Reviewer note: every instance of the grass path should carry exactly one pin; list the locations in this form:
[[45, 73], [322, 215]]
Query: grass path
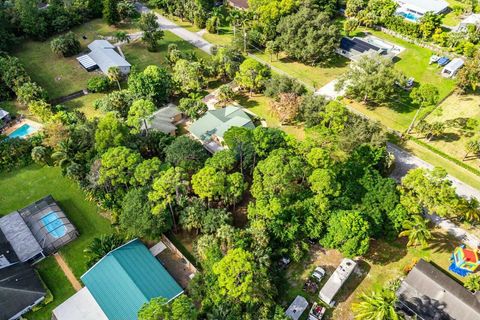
[[68, 272]]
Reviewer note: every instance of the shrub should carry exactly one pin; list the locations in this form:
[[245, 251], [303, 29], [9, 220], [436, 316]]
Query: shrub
[[98, 84], [16, 153], [66, 45]]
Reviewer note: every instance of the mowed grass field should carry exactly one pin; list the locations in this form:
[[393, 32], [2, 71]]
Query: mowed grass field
[[457, 108], [58, 75], [23, 186]]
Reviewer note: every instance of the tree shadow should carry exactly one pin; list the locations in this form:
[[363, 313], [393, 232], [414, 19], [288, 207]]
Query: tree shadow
[[383, 253], [442, 242], [245, 101], [447, 137], [425, 307]]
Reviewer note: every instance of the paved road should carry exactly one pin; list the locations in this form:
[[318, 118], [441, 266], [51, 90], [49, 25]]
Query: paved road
[[183, 33], [405, 161]]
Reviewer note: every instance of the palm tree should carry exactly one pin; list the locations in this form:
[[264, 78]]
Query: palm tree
[[234, 19], [217, 15], [40, 155], [115, 75], [417, 231], [378, 305], [469, 209], [122, 36], [100, 246]]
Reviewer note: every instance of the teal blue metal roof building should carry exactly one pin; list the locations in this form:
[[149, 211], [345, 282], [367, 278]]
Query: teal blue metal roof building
[[126, 278]]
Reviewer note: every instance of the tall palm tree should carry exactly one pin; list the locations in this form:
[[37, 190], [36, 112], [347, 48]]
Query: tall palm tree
[[234, 18], [378, 305], [417, 231], [114, 74], [217, 15]]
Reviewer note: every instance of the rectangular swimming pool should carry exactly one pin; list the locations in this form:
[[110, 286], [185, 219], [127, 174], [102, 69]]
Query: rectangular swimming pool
[[23, 131], [54, 225]]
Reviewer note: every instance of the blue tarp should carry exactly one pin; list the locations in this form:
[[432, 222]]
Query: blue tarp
[[443, 61]]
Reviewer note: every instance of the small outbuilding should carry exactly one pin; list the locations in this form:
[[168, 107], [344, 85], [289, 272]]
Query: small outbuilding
[[296, 309], [452, 68]]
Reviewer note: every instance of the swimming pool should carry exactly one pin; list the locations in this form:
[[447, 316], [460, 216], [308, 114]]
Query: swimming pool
[[23, 131], [409, 16], [54, 225]]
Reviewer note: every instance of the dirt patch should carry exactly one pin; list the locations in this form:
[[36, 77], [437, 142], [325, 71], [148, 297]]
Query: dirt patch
[[176, 266], [68, 272]]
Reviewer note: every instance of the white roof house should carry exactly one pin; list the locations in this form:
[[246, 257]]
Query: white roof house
[[3, 114], [104, 55], [420, 7], [471, 20], [451, 69], [296, 309], [80, 306], [336, 281]]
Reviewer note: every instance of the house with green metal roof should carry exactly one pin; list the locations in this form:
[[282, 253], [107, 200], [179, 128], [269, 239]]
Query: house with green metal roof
[[211, 127], [119, 284]]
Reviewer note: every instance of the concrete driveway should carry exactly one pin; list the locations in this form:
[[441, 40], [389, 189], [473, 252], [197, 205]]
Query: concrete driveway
[[166, 24]]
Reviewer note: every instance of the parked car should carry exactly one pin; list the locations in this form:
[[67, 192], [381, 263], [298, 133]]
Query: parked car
[[316, 312], [318, 273]]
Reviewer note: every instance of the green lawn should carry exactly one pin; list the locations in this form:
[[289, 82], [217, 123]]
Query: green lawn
[[458, 108], [313, 76], [24, 186], [85, 105], [452, 19], [61, 76], [58, 284], [138, 55], [224, 37]]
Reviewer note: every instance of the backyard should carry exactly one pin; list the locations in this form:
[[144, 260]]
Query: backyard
[[23, 186], [384, 262]]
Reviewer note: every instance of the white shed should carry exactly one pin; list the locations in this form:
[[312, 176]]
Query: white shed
[[296, 309], [451, 69], [336, 281]]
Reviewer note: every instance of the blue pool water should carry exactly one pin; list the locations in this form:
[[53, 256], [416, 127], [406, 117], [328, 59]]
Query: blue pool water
[[409, 16], [54, 225], [23, 131]]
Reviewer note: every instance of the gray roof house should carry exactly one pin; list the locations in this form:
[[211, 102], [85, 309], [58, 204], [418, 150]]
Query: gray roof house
[[164, 119], [20, 291], [104, 55], [210, 128], [428, 293], [34, 232]]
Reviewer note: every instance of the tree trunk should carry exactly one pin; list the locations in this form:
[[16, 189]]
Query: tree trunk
[[466, 155], [413, 121], [119, 86], [146, 128], [173, 218]]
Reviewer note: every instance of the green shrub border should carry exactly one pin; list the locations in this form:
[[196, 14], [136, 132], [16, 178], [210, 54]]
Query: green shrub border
[[446, 156]]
